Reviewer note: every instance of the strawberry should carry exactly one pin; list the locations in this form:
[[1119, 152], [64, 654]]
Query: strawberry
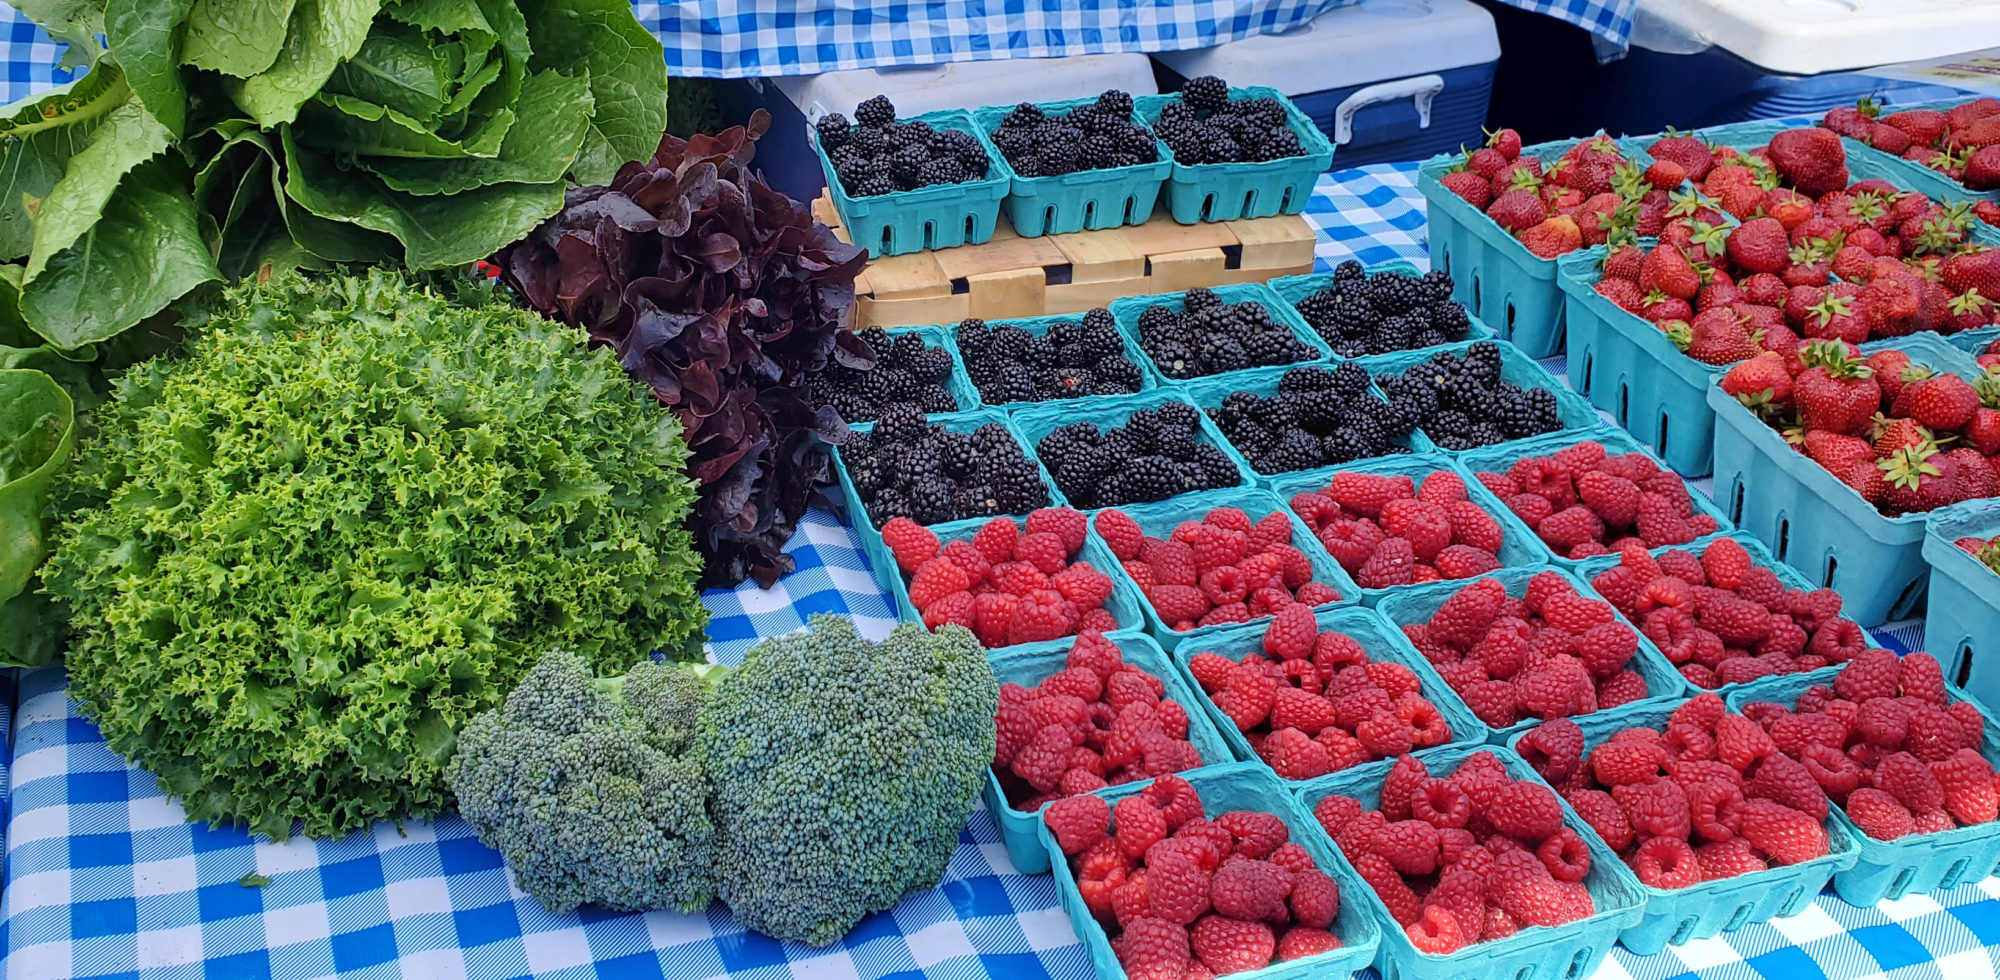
[[1520, 210], [1760, 383], [1892, 369], [1924, 126], [1811, 160], [1470, 186], [1966, 113], [1788, 206], [1852, 121], [1553, 237], [1715, 337], [1944, 403], [1505, 142], [1668, 271], [1919, 480], [1895, 435], [1759, 245], [1666, 174], [1689, 151], [1836, 392], [1973, 270]]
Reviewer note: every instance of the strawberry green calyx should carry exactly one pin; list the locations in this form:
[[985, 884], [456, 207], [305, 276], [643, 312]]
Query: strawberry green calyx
[[1832, 306], [1868, 206], [1678, 332], [1968, 302], [1688, 203], [1940, 234], [1869, 106], [1988, 388], [1832, 355], [1916, 372], [1654, 296], [1990, 556], [1715, 238], [1525, 180], [1906, 468], [1760, 167]]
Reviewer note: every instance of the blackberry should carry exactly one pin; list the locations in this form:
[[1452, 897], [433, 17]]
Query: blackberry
[[876, 112], [1349, 271], [1298, 450], [1437, 287], [875, 187], [1350, 380], [1212, 468], [930, 364], [1483, 359], [1204, 126], [899, 423], [1463, 404], [1114, 103], [940, 170], [934, 398], [1150, 478], [1450, 320], [1346, 445], [1394, 293], [906, 372], [833, 131], [1175, 441], [1205, 93]]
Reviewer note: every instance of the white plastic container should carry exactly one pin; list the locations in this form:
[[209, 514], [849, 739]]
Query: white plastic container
[[1386, 80], [797, 101], [1810, 37]]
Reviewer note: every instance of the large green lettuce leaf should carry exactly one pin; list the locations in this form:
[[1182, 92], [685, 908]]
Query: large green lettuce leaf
[[397, 68], [37, 434], [324, 34], [554, 115], [344, 124], [628, 77], [146, 34], [235, 37], [129, 136], [37, 138], [73, 22]]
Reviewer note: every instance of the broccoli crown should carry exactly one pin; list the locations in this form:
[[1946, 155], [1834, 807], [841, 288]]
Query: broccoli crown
[[841, 772], [593, 791]]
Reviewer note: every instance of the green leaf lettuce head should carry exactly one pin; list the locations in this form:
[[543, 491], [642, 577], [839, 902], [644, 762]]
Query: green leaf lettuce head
[[299, 556], [225, 139]]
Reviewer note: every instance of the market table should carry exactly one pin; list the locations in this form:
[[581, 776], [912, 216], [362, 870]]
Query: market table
[[105, 878]]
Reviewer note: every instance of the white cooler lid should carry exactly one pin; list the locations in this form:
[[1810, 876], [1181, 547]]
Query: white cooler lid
[[1807, 37], [969, 84], [1373, 41]]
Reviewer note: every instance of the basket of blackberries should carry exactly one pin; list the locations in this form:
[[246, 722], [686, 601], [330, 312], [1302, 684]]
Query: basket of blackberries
[[913, 365], [1049, 358], [1133, 449], [1077, 165], [1391, 307], [1238, 152], [1281, 420], [1214, 331], [907, 185]]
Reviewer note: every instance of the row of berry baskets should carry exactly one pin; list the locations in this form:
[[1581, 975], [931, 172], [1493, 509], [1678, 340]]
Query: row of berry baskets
[[1629, 904], [966, 213]]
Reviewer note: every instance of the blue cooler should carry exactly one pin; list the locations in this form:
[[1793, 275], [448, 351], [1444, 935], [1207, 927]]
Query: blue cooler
[[797, 101], [1386, 80]]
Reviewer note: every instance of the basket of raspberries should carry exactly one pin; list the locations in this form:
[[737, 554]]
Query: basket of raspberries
[[1105, 712], [1200, 576], [1206, 875], [1310, 695], [1701, 807], [1164, 448], [1954, 140], [1581, 500], [907, 185], [1076, 165], [1963, 550], [1907, 761], [968, 465], [1009, 583], [1478, 865], [1478, 394], [1050, 358], [1522, 644], [1394, 308], [913, 365], [1406, 521], [1302, 418], [1238, 152], [1725, 613], [1209, 331]]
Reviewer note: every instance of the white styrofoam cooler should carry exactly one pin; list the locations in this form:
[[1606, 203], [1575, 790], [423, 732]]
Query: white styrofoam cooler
[[1386, 80], [797, 101], [1810, 37]]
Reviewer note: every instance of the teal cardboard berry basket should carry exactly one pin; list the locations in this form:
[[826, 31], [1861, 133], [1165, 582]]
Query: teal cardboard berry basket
[[1294, 290], [1382, 642], [1519, 548], [1673, 916], [1159, 520], [1228, 191], [1920, 862], [1128, 309], [1589, 569], [938, 216], [1571, 951], [958, 383], [1815, 523], [1123, 605], [1208, 393], [1628, 368], [1036, 421], [1243, 787], [1416, 604], [1088, 200], [868, 529], [1021, 830], [1516, 368], [1492, 273], [1616, 442], [1039, 326], [1962, 627], [1975, 342]]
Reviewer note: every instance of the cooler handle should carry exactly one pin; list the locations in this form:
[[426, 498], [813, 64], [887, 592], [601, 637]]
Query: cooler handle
[[1422, 88]]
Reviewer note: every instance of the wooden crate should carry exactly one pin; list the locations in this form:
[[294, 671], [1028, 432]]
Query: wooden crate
[[1011, 276]]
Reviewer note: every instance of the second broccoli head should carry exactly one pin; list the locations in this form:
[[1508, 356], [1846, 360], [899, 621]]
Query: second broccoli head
[[824, 779]]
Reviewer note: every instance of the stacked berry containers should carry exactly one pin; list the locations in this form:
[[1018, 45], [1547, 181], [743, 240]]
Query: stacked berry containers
[[1159, 519], [1516, 368], [1035, 422], [1917, 863], [1964, 607], [1814, 522], [1493, 274], [1129, 309], [1571, 951], [1243, 786], [1229, 191], [1028, 667], [1676, 916], [1416, 605], [1616, 442], [1518, 548], [1380, 640], [1295, 289], [938, 216], [1039, 326], [1209, 394], [1087, 200]]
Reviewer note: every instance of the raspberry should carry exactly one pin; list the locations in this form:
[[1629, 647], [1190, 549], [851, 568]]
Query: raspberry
[[1366, 493], [1404, 777], [1079, 682], [1441, 804], [1464, 561], [1078, 822], [995, 540], [1761, 586], [1426, 526], [1814, 609], [1544, 586], [1018, 578], [1835, 773], [1436, 932], [1078, 781], [1967, 781], [1782, 779], [1177, 882], [1138, 825], [1410, 845], [1392, 564], [1249, 890], [1606, 648], [1565, 529], [1614, 499], [1740, 743], [1152, 949], [1301, 941], [1839, 642], [1176, 798], [1932, 822], [1714, 806], [1256, 834], [1173, 719], [1093, 652], [1727, 859], [1537, 899], [1293, 754], [1213, 547], [1738, 622], [1225, 945], [909, 542], [1176, 603], [1971, 724], [1211, 670], [1462, 893], [1044, 760], [1656, 809], [1298, 709], [1351, 543], [1546, 478], [1383, 734], [1667, 863], [1604, 816], [1932, 734], [1356, 706], [957, 608], [1317, 594], [1097, 620], [1442, 487], [1565, 855], [967, 556], [1120, 532], [1045, 551], [1921, 677], [1463, 618], [1315, 509], [1083, 585], [1067, 525], [1661, 523], [1134, 898], [1784, 835], [1272, 529], [1906, 778], [1042, 615], [1315, 898], [1527, 812], [1334, 811], [1883, 722], [1172, 561], [1879, 815], [1425, 722], [1623, 687], [1492, 702], [1554, 748], [1235, 612], [1290, 636], [1554, 688], [935, 579]]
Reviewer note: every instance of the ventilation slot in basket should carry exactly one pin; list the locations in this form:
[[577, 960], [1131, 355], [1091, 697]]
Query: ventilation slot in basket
[[1579, 963], [1737, 918], [1685, 932], [1952, 874], [1902, 883]]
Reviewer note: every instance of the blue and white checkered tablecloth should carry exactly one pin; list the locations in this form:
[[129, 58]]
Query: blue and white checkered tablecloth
[[754, 38]]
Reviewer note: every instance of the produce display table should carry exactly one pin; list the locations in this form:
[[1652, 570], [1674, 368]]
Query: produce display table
[[105, 878]]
